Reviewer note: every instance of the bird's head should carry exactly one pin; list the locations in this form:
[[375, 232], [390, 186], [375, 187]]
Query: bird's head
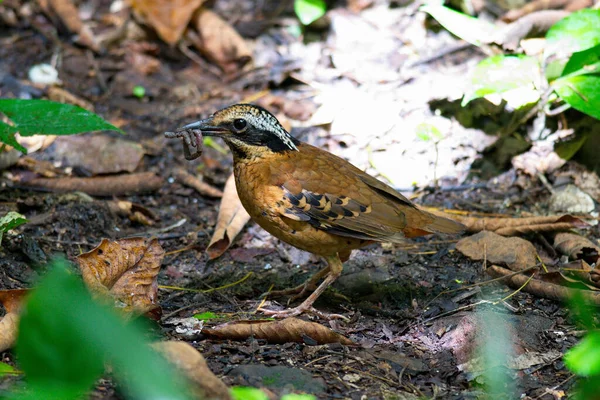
[[247, 129]]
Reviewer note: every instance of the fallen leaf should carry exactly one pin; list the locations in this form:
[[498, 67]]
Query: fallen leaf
[[168, 17], [189, 361], [135, 212], [514, 252], [69, 15], [125, 269], [231, 220], [11, 300], [98, 154], [284, 331], [114, 185], [61, 95], [576, 247], [220, 42], [507, 226], [542, 289]]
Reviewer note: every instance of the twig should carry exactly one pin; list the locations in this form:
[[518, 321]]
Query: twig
[[248, 275]]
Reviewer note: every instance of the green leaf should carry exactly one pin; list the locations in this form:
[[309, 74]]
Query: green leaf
[[427, 132], [6, 369], [309, 11], [43, 117], [10, 221], [584, 359], [473, 30], [139, 91], [294, 396], [247, 393], [582, 92], [205, 316], [583, 62], [500, 74], [7, 135], [576, 32], [65, 339], [566, 149]]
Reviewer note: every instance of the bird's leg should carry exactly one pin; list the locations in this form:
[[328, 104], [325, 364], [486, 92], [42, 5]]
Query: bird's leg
[[299, 291], [335, 270]]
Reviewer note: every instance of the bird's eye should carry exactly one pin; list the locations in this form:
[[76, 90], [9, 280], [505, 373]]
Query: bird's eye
[[239, 124]]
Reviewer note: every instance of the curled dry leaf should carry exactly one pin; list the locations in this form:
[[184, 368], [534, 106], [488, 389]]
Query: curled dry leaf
[[68, 13], [187, 179], [114, 185], [231, 220], [188, 360], [125, 269], [538, 5], [168, 17], [284, 331], [576, 247], [542, 289], [11, 300], [219, 42], [135, 212], [514, 226], [514, 252]]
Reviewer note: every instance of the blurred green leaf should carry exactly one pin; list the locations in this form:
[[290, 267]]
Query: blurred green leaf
[[10, 221], [566, 149], [7, 135], [209, 142], [500, 74], [65, 338], [471, 29], [583, 62], [205, 316], [247, 393], [576, 32], [294, 396], [582, 92], [6, 369], [427, 132], [139, 91], [43, 117], [584, 359], [309, 11]]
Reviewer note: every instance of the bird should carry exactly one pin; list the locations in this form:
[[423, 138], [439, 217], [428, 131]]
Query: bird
[[309, 197]]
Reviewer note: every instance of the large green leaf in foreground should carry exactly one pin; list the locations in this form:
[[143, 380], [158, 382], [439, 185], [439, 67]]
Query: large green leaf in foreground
[[65, 339]]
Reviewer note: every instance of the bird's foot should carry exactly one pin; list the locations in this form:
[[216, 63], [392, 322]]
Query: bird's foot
[[301, 309]]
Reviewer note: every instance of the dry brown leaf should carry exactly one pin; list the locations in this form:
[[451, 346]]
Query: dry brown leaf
[[61, 95], [541, 289], [514, 252], [513, 226], [189, 361], [231, 220], [576, 247], [169, 18], [135, 212], [538, 5], [284, 331], [125, 269], [69, 15], [99, 154], [113, 185], [11, 300], [219, 42], [187, 179]]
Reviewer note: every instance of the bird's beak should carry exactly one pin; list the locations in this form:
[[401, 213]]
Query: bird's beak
[[205, 126]]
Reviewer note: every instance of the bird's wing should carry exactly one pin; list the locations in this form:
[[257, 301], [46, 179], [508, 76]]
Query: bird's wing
[[331, 194]]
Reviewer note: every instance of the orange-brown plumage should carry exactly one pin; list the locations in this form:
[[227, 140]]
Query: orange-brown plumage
[[310, 198]]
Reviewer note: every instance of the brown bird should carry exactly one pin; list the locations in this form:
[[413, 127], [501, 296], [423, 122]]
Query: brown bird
[[310, 198]]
